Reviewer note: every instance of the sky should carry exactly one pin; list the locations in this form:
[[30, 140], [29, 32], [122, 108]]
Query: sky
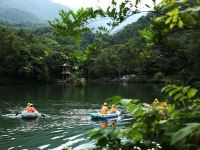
[[74, 4], [84, 3]]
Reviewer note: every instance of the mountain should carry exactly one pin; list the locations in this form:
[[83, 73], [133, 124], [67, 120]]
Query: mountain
[[131, 30], [29, 11], [16, 16], [26, 12]]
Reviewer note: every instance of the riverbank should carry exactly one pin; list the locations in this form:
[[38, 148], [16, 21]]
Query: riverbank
[[124, 79]]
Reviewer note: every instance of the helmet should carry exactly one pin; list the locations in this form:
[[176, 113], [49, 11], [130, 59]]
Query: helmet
[[156, 100]]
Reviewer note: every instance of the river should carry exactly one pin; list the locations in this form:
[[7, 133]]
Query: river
[[68, 108]]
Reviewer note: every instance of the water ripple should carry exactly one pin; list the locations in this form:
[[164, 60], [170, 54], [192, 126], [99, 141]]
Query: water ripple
[[57, 137], [44, 146], [64, 128]]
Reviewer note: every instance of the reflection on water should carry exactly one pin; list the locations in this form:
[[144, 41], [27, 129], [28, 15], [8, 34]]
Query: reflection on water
[[65, 128], [109, 122], [31, 123], [68, 108]]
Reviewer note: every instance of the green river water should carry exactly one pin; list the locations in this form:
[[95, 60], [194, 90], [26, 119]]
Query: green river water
[[68, 108]]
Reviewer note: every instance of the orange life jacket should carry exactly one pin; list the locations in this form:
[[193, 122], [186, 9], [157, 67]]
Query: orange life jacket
[[103, 124], [30, 109], [113, 110], [104, 110]]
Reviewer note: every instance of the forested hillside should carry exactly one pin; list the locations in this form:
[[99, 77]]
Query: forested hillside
[[130, 31], [35, 53], [127, 53], [172, 56], [29, 11], [41, 54], [16, 16]]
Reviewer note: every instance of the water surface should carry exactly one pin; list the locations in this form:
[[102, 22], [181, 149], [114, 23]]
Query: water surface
[[68, 108]]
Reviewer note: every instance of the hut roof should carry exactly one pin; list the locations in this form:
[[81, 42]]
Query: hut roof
[[65, 65]]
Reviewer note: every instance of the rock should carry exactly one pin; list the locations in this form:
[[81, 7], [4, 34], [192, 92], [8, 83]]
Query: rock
[[127, 77], [80, 82]]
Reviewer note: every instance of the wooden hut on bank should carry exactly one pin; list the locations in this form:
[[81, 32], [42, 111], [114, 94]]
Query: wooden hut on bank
[[66, 74]]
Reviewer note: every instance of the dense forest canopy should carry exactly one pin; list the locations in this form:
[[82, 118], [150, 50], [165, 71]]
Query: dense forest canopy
[[35, 54], [155, 47], [29, 11]]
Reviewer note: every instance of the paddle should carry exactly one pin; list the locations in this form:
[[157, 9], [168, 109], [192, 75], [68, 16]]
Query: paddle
[[44, 115], [17, 114]]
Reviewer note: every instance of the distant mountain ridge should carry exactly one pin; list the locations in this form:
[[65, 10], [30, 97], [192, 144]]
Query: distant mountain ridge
[[23, 13], [130, 31], [16, 16], [29, 11]]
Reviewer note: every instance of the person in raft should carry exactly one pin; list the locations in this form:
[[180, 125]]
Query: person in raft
[[28, 105], [155, 101], [104, 124], [113, 109], [30, 108], [104, 108], [165, 105]]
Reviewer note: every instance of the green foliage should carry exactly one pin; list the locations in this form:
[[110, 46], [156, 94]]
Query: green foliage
[[175, 127], [72, 22], [148, 35], [178, 14], [156, 51], [130, 31], [126, 52], [185, 132], [27, 57], [158, 76], [181, 94]]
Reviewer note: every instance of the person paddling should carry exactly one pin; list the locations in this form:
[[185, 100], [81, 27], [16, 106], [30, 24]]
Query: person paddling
[[104, 109], [104, 124], [155, 101], [165, 105], [28, 105], [30, 108], [113, 109]]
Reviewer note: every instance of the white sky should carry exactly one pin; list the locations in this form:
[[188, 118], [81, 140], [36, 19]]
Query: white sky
[[84, 3], [74, 4]]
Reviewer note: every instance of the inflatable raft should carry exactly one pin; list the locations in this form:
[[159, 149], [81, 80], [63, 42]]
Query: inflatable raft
[[104, 116], [29, 116]]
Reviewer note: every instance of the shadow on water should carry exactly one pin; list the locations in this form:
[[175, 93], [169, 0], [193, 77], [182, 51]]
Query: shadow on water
[[68, 108]]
